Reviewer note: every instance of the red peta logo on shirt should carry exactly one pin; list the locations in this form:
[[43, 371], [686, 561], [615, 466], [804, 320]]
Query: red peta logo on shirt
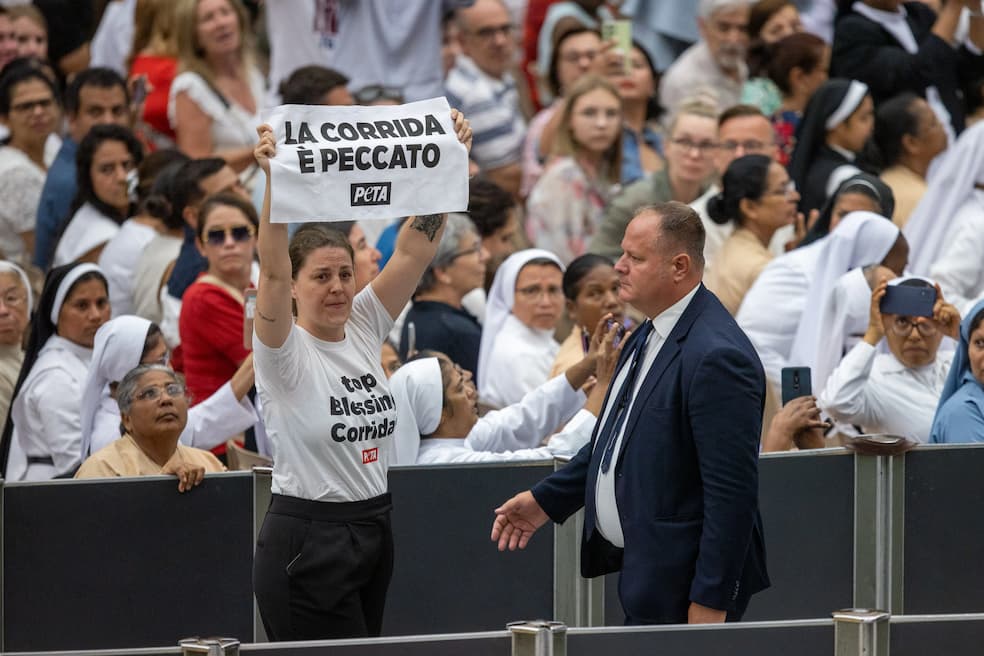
[[370, 455]]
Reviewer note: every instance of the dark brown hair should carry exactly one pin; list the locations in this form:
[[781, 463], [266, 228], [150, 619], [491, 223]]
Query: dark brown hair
[[310, 238]]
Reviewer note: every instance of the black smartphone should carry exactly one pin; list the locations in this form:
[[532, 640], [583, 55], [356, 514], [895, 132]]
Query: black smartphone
[[908, 301], [796, 382]]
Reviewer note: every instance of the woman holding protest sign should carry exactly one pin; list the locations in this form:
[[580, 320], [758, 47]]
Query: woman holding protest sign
[[325, 553]]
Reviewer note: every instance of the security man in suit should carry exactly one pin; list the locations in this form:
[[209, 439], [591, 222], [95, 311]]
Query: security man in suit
[[669, 480]]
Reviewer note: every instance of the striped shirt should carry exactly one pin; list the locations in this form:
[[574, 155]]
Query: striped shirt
[[492, 106]]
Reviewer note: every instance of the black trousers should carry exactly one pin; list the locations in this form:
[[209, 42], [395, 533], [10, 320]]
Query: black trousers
[[321, 570]]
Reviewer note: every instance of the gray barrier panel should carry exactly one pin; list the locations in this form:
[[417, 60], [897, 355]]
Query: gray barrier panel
[[103, 564], [924, 635], [943, 571], [448, 576], [810, 638], [807, 506]]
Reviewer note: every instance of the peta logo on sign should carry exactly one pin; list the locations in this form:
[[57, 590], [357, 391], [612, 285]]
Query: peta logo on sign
[[370, 455], [370, 193]]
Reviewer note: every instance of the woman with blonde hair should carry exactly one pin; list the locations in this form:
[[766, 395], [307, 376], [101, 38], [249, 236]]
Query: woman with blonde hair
[[568, 202], [154, 57], [215, 100]]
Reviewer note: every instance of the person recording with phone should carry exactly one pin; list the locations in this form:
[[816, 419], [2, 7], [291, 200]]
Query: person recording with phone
[[896, 392]]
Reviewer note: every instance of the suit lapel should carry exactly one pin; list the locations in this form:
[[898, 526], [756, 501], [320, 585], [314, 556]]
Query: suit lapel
[[668, 352]]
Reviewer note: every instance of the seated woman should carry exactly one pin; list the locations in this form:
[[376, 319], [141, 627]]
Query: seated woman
[[518, 347], [797, 66], [862, 192], [895, 392], [153, 410], [959, 415], [836, 125], [43, 436], [15, 313], [591, 291], [127, 342], [213, 308], [772, 313], [568, 202], [441, 398], [438, 320], [30, 110], [104, 160], [214, 102], [758, 196], [947, 227], [908, 136]]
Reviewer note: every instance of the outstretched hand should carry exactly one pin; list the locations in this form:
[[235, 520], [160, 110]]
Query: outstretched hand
[[266, 147], [462, 128], [516, 520]]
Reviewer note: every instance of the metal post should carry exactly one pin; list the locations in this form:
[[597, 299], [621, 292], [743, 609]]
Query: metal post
[[879, 500], [538, 638], [262, 478], [577, 601], [861, 632], [209, 646]]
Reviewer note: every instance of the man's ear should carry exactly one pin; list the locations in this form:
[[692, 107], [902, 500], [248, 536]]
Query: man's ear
[[190, 216], [682, 264]]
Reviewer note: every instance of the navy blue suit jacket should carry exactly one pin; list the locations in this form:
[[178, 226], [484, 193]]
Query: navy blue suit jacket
[[687, 476]]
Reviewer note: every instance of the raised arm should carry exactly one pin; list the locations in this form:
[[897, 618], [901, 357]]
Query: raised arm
[[415, 246], [273, 310]]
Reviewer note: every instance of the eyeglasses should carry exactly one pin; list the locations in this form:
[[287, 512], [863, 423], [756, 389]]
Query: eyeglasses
[[534, 292], [374, 92], [902, 327], [689, 145], [788, 189], [239, 234], [477, 248], [31, 105], [575, 56], [747, 146], [14, 300], [153, 393], [489, 33]]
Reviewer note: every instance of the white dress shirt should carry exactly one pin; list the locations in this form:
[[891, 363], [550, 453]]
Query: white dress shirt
[[882, 395], [607, 519]]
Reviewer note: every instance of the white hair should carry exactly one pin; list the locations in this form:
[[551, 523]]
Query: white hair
[[706, 8]]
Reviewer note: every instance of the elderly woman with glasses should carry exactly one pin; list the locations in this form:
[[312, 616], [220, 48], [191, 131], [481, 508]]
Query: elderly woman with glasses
[[895, 392], [153, 410], [437, 319], [213, 308]]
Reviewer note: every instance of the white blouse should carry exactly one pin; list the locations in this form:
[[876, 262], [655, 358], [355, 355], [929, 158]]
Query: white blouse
[[520, 362], [960, 268], [87, 229], [882, 395]]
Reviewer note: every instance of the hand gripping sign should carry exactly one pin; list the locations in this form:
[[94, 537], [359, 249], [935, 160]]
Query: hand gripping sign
[[353, 163]]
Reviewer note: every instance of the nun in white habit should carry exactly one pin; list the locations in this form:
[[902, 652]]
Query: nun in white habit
[[42, 436], [445, 415], [781, 312], [516, 354], [946, 229], [128, 341]]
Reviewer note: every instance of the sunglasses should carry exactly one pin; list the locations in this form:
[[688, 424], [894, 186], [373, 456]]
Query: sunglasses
[[239, 234]]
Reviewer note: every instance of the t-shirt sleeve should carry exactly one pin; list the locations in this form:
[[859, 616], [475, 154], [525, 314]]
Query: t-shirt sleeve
[[370, 323], [279, 368]]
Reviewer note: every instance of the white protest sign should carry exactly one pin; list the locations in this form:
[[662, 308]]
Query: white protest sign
[[354, 163]]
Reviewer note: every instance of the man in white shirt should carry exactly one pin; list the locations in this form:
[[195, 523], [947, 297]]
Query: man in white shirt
[[715, 65], [482, 87], [669, 483]]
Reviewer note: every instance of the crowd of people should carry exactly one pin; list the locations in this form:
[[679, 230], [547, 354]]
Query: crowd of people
[[813, 168]]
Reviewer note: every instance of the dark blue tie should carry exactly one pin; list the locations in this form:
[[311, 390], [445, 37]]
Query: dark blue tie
[[620, 409]]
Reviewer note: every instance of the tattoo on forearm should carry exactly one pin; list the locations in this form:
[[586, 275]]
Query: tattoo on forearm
[[266, 318], [428, 224]]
